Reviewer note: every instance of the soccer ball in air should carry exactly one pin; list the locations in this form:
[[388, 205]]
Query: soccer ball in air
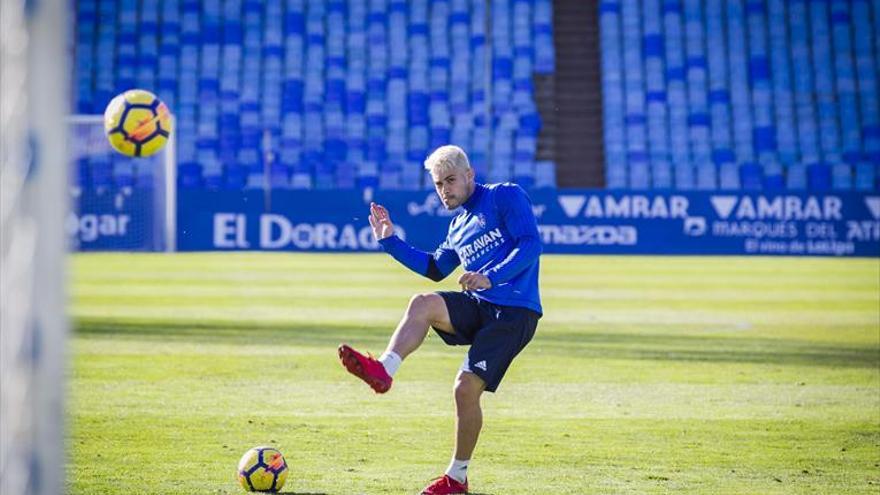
[[262, 469], [137, 123]]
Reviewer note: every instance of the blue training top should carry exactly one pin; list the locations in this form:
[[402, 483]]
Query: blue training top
[[495, 234]]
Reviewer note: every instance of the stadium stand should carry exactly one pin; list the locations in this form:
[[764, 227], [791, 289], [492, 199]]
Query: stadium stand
[[697, 94], [322, 94], [751, 95]]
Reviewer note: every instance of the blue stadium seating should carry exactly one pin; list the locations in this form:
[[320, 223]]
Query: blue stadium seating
[[753, 95], [323, 93]]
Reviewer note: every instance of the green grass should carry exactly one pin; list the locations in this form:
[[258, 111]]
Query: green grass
[[647, 375]]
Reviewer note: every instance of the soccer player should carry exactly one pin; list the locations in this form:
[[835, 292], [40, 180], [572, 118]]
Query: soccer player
[[495, 238]]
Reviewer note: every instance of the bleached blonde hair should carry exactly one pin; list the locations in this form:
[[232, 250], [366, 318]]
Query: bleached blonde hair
[[446, 158]]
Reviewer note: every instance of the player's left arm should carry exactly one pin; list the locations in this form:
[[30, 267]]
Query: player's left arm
[[516, 213]]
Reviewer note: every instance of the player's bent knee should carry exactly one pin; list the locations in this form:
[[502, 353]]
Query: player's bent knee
[[468, 387], [426, 305]]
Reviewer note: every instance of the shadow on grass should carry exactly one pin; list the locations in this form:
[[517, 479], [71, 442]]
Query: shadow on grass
[[230, 333], [656, 347], [310, 493], [712, 349]]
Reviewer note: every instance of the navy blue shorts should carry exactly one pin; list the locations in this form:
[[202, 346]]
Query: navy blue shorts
[[495, 333]]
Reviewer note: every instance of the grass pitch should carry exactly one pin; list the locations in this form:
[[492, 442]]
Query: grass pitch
[[647, 375]]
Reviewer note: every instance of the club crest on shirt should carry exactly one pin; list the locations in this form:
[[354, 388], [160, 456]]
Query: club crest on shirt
[[481, 220]]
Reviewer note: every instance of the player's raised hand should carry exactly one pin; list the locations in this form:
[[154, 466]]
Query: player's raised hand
[[474, 281], [380, 222]]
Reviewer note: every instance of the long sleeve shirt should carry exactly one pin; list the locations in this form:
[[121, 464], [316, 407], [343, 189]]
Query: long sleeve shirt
[[495, 234]]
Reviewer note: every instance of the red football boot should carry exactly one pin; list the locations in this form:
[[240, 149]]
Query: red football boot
[[367, 368], [445, 485]]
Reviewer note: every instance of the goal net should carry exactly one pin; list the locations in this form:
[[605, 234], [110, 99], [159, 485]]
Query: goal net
[[118, 202]]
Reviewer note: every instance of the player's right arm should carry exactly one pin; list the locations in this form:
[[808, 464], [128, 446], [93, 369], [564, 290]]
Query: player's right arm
[[434, 266]]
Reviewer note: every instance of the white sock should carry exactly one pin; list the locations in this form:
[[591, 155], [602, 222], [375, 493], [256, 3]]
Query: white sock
[[457, 470], [391, 361]]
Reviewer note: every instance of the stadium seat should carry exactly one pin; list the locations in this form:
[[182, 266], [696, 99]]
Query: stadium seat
[[707, 176], [819, 177], [841, 177], [661, 175], [684, 175], [639, 175], [729, 177], [751, 176]]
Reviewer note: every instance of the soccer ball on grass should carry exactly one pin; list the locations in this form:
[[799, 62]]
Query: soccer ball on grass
[[262, 469]]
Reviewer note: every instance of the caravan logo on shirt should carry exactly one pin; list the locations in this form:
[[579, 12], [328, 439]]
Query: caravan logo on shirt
[[480, 246]]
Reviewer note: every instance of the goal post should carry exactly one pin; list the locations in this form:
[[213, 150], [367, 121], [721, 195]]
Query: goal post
[[34, 88]]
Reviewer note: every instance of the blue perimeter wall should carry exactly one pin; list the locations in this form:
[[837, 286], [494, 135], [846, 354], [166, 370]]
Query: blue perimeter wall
[[570, 221]]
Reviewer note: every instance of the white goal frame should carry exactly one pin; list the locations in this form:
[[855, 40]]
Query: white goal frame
[[34, 88]]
